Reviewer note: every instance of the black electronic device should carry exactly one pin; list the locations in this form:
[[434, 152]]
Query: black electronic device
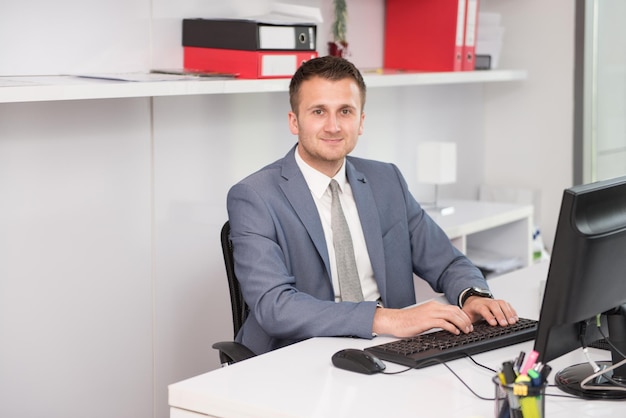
[[587, 277], [359, 361], [436, 347]]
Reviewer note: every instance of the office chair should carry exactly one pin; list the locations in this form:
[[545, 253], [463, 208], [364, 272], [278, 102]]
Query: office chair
[[231, 351]]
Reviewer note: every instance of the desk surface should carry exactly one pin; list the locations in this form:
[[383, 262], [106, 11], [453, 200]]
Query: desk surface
[[300, 381]]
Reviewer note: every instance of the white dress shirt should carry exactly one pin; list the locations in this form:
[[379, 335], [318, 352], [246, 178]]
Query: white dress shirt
[[318, 185]]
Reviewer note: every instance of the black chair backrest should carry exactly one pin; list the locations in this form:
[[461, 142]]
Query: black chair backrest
[[238, 305]]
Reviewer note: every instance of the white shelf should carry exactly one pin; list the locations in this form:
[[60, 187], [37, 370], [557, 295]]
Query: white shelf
[[457, 77], [489, 227], [471, 216], [57, 88]]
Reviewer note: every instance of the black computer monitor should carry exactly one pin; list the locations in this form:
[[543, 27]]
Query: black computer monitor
[[587, 277]]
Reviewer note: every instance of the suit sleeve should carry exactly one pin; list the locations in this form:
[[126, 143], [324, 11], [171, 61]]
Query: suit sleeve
[[434, 257]]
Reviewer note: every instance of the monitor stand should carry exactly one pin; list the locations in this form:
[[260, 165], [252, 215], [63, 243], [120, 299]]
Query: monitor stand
[[568, 380]]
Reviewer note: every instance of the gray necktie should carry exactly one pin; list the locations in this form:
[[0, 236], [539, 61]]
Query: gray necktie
[[349, 283]]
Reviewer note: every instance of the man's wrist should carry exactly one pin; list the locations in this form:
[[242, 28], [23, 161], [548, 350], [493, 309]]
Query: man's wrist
[[462, 297], [474, 291], [378, 305]]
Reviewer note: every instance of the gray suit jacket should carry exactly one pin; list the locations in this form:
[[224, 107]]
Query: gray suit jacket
[[281, 258]]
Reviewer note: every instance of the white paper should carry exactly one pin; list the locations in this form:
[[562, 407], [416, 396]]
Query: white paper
[[284, 14]]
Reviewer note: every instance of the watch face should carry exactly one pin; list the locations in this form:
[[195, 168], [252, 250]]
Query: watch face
[[476, 291]]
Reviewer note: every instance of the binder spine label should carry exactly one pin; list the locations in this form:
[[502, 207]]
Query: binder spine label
[[311, 38], [277, 37], [471, 23], [470, 28], [287, 38], [278, 65], [460, 24]]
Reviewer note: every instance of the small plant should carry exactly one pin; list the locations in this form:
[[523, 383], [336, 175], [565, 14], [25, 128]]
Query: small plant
[[339, 46], [339, 24]]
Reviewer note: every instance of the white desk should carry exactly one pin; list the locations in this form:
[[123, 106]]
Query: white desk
[[300, 381]]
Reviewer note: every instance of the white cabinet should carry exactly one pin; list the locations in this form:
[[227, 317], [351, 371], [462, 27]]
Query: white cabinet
[[495, 236], [489, 233]]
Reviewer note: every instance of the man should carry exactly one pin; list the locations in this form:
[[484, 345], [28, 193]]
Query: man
[[282, 233]]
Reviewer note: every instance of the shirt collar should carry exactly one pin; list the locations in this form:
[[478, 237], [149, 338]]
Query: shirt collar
[[317, 181]]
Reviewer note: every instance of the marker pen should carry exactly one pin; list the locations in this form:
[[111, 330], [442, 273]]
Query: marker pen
[[509, 377], [508, 372], [530, 362], [502, 378], [535, 377], [519, 361], [528, 404], [545, 372]]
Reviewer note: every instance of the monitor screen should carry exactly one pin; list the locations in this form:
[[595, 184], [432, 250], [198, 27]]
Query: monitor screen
[[587, 277]]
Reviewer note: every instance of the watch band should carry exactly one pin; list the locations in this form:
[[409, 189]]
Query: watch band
[[462, 297], [474, 291]]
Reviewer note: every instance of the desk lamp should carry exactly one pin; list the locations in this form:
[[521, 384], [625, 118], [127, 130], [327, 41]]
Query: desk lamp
[[436, 164]]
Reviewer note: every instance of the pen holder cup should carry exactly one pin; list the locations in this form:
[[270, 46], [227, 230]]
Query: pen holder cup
[[519, 400]]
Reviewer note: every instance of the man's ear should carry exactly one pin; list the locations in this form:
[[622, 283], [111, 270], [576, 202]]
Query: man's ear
[[293, 123], [361, 123]]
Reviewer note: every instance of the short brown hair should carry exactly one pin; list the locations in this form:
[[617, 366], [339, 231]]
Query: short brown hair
[[328, 67]]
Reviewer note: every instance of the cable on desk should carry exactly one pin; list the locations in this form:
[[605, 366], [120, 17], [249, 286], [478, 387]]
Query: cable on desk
[[456, 375], [465, 384], [484, 398]]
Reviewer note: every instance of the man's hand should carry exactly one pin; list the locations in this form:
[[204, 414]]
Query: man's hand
[[417, 319], [494, 311]]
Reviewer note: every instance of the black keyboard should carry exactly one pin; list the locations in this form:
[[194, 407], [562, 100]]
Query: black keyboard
[[433, 348]]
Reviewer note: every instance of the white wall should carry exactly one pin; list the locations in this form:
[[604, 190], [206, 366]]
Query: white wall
[[529, 134], [112, 282], [75, 259], [604, 137]]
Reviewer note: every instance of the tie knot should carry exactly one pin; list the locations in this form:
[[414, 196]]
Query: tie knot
[[334, 186]]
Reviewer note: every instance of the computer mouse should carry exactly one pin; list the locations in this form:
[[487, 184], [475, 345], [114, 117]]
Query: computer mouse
[[359, 361]]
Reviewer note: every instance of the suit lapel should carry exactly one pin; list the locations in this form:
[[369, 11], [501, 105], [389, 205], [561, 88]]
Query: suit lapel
[[370, 222], [299, 196]]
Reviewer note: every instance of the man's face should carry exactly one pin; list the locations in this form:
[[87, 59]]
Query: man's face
[[328, 123]]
